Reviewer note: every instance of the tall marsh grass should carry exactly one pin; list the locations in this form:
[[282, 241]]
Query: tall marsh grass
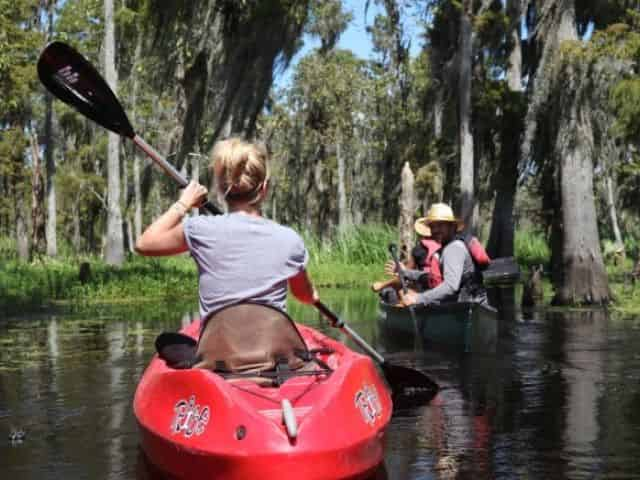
[[355, 257], [531, 249], [363, 245], [52, 280]]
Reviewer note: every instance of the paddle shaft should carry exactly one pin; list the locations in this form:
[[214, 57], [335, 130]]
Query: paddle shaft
[[400, 379], [403, 282], [337, 322], [399, 268], [170, 170]]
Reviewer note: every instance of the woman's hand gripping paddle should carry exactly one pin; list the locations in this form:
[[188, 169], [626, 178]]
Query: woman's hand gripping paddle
[[404, 382], [71, 78]]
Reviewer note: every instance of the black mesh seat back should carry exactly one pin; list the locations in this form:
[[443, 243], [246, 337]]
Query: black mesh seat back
[[250, 337]]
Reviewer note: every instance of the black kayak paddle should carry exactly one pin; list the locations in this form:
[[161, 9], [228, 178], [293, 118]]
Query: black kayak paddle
[[73, 79]]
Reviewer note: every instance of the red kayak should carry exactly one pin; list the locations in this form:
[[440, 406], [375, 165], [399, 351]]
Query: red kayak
[[327, 422]]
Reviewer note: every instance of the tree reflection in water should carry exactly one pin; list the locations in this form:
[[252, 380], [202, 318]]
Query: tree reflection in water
[[557, 400]]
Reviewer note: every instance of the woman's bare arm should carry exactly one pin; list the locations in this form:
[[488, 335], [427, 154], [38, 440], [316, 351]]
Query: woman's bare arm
[[165, 236], [302, 288]]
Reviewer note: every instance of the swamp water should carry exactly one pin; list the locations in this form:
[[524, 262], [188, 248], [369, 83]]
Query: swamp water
[[559, 399]]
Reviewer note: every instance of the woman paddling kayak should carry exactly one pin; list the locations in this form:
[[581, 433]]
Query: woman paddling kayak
[[241, 256], [268, 398]]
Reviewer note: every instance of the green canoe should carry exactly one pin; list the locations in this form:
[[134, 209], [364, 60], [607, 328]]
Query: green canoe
[[469, 326]]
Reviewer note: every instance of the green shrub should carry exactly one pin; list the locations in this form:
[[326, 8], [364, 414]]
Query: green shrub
[[8, 248], [361, 245], [355, 258], [531, 249]]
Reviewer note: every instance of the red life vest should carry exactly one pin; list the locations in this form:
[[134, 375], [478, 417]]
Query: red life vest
[[432, 262], [476, 250]]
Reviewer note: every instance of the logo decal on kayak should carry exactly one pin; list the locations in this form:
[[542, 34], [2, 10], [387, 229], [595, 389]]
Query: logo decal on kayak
[[190, 418], [368, 402]]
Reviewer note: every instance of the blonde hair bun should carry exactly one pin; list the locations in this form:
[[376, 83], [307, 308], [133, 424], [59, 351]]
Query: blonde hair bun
[[240, 168]]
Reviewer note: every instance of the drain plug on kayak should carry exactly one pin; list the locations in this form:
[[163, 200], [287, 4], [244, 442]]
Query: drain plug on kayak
[[241, 432]]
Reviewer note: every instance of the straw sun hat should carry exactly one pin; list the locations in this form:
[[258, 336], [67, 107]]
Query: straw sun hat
[[438, 212], [421, 227]]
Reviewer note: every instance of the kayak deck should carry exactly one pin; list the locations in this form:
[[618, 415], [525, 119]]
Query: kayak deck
[[195, 424]]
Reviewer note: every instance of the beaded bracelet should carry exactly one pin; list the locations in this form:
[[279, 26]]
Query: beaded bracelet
[[180, 208]]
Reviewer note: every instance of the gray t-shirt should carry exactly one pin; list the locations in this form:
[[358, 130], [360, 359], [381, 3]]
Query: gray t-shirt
[[243, 258]]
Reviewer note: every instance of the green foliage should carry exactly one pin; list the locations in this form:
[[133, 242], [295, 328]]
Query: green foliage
[[492, 27], [40, 283], [80, 23], [359, 245], [429, 180], [19, 42], [327, 88], [531, 249], [627, 296], [625, 99], [328, 21], [355, 257]]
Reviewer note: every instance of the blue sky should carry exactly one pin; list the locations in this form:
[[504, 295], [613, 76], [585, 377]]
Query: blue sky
[[355, 38]]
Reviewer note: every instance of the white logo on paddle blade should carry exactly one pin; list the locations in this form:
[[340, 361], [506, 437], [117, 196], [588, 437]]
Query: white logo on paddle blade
[[68, 75]]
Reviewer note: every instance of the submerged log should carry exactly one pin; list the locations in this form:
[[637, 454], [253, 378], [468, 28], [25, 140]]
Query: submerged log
[[532, 291]]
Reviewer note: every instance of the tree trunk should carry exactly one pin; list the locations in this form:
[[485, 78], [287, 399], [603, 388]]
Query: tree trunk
[[407, 208], [51, 219], [137, 198], [344, 218], [501, 237], [584, 275], [22, 239], [75, 219], [583, 278], [114, 251], [514, 69], [465, 52], [613, 214], [137, 181], [38, 237], [438, 112]]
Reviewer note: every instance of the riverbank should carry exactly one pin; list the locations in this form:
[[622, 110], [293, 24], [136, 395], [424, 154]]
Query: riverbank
[[41, 284], [354, 259]]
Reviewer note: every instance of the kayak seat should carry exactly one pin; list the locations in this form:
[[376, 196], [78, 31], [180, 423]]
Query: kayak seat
[[251, 338]]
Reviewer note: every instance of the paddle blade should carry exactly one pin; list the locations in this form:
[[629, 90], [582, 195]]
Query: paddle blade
[[409, 384], [71, 78]]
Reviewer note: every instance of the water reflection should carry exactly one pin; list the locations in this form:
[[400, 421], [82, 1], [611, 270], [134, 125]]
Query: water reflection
[[558, 399]]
